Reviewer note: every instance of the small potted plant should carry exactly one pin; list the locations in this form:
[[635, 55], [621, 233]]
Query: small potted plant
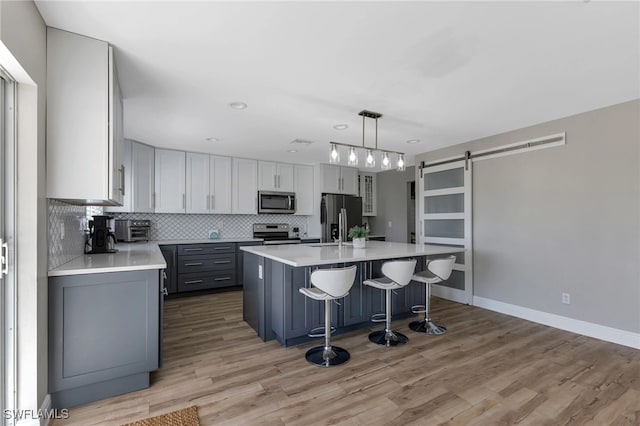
[[359, 236]]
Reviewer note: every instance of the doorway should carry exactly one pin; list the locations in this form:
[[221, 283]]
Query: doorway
[[411, 212]]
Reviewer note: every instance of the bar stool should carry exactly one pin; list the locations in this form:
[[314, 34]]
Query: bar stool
[[329, 285], [397, 274], [438, 270]]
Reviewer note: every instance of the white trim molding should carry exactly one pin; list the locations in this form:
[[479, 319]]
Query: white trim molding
[[32, 418], [597, 331]]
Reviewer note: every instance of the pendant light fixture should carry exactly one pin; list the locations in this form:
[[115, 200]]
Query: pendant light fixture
[[371, 153]]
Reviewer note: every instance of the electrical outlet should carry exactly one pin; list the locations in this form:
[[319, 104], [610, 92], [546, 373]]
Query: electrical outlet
[[389, 224], [259, 272], [566, 298], [61, 230]]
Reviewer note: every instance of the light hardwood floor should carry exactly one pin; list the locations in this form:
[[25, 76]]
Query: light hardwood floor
[[489, 369]]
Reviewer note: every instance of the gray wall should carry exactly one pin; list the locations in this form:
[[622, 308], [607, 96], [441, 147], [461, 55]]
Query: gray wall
[[23, 34], [563, 219], [391, 187]]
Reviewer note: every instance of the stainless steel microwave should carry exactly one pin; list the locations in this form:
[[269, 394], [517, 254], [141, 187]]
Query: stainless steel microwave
[[276, 202]]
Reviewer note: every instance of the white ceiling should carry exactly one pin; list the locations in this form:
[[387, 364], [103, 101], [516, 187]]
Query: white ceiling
[[441, 72]]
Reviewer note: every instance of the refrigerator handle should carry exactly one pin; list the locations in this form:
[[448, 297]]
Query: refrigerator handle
[[343, 212]]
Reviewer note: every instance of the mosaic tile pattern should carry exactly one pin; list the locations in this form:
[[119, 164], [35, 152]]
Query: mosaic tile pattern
[[195, 226], [66, 232]]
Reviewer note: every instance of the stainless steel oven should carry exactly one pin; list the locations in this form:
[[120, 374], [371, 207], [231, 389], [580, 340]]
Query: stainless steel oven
[[274, 233], [276, 202]]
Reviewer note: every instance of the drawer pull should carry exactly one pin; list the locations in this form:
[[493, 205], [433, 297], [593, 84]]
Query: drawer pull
[[193, 249], [221, 262], [194, 282], [222, 248], [193, 264], [222, 279]]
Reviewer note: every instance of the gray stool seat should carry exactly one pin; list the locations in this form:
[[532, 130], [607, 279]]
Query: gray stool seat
[[438, 270], [397, 274], [329, 285]]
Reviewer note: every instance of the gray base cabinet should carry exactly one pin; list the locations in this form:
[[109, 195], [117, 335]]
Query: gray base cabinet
[[104, 334]]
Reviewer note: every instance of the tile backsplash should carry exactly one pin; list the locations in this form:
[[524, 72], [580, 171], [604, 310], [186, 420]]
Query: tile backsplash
[[66, 232], [67, 224], [197, 226]]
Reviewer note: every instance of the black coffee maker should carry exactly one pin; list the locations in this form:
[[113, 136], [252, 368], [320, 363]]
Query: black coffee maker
[[101, 239]]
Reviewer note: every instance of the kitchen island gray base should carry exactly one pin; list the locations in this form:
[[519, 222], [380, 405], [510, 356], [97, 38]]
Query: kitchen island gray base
[[275, 308]]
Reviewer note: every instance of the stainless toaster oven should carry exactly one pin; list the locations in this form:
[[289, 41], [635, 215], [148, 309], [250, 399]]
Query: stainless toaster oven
[[131, 230]]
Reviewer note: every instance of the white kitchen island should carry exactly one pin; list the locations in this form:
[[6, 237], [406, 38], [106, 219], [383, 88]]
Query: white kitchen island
[[273, 275]]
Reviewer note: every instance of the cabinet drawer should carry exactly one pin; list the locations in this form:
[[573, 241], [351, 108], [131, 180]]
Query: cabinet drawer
[[202, 263], [211, 248], [206, 280]]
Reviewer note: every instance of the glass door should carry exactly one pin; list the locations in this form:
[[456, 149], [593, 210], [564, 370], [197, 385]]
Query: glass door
[[7, 244], [445, 219]]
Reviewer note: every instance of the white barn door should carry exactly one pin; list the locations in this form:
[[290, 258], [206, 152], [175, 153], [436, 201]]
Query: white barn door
[[444, 206]]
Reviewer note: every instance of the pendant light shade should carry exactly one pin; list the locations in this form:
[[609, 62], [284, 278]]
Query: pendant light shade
[[371, 160], [386, 162], [400, 164], [334, 156], [353, 157]]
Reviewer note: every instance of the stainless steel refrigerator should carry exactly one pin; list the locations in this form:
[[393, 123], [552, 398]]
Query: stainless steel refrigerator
[[331, 208]]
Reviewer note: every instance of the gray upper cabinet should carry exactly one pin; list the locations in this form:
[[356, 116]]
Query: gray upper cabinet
[[142, 178], [170, 186], [84, 121]]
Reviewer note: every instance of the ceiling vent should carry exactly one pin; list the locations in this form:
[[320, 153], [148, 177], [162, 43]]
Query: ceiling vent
[[301, 142]]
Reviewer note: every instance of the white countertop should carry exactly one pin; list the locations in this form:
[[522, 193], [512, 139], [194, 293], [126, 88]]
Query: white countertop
[[206, 241], [324, 254], [130, 257]]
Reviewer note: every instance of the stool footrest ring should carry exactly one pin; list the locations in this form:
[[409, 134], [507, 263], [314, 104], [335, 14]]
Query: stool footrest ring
[[418, 309], [319, 331], [382, 317]]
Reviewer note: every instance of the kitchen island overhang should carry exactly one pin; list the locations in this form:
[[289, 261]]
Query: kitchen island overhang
[[275, 309]]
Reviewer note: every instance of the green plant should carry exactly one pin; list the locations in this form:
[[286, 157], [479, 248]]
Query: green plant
[[358, 232]]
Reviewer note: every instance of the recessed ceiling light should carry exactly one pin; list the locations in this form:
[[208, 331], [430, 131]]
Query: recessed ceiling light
[[292, 150], [412, 141], [238, 105], [211, 139], [341, 126]]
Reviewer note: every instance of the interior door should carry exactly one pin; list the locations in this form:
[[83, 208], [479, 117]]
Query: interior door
[[445, 206]]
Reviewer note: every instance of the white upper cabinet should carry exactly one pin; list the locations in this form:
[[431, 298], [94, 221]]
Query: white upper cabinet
[[338, 179], [142, 178], [303, 187], [220, 184], [245, 186], [275, 176], [367, 185], [127, 205], [170, 187], [84, 121], [208, 183], [197, 180]]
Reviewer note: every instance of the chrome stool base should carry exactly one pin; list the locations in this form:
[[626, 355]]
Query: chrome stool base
[[390, 338], [428, 327], [334, 356]]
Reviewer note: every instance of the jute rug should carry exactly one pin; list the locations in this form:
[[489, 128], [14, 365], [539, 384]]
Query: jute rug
[[184, 417]]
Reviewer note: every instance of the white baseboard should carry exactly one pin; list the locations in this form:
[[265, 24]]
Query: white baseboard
[[45, 407], [602, 332]]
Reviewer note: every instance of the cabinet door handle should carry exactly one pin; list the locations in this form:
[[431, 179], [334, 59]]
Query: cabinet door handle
[[222, 262], [275, 185], [193, 249], [213, 202], [184, 201], [222, 248], [153, 201], [4, 258], [208, 202], [122, 179], [278, 181], [164, 291], [193, 264], [194, 282], [222, 279]]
